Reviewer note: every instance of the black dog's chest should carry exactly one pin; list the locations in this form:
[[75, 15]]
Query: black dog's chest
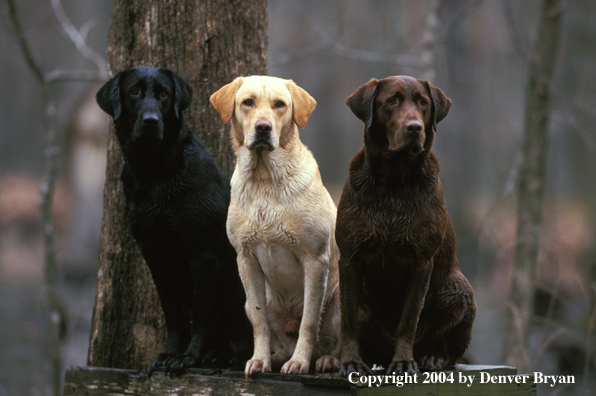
[[155, 214]]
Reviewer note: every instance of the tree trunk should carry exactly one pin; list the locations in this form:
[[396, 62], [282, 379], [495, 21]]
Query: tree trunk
[[531, 183], [208, 44]]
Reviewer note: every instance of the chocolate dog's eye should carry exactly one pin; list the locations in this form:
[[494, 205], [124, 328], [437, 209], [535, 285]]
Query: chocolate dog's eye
[[279, 104], [391, 101], [423, 102], [135, 91], [248, 102]]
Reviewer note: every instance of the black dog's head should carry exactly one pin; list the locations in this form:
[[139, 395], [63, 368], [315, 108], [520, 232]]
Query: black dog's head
[[145, 102], [400, 112]]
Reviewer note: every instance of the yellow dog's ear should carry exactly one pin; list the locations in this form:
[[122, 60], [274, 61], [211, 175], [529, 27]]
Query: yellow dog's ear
[[223, 100], [303, 104]]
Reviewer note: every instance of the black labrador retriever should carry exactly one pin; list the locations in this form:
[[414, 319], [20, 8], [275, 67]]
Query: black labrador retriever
[[176, 204]]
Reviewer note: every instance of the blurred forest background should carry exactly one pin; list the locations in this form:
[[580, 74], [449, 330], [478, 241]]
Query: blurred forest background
[[329, 48]]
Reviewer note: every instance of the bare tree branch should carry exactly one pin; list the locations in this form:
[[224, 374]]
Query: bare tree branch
[[532, 179], [300, 54], [75, 75], [24, 44], [53, 308], [54, 305], [376, 57], [78, 39], [328, 43], [429, 39]]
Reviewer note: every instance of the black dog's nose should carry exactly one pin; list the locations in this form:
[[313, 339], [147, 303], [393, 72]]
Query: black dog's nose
[[150, 119], [263, 126], [413, 127]]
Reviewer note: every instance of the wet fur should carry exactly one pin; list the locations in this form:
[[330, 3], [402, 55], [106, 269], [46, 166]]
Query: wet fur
[[281, 222], [176, 207], [405, 303]]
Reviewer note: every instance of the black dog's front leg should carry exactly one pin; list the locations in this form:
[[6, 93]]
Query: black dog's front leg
[[172, 298], [204, 342]]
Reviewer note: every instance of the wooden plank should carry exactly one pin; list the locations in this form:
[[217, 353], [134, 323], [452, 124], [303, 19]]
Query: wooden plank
[[93, 381]]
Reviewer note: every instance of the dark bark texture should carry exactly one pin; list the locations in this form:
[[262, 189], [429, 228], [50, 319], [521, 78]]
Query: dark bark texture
[[208, 43]]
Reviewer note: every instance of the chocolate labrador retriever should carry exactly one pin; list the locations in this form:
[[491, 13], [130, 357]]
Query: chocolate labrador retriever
[[176, 206], [404, 300]]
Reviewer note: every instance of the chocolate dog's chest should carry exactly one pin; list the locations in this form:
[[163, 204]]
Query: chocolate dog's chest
[[399, 230]]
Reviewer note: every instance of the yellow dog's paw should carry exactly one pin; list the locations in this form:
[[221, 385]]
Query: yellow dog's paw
[[256, 365], [295, 367]]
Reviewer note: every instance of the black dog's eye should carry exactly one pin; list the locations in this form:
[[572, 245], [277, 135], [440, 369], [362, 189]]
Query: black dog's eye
[[134, 92], [279, 104], [163, 94], [248, 102]]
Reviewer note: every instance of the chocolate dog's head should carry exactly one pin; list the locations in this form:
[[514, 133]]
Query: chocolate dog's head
[[141, 101], [400, 112]]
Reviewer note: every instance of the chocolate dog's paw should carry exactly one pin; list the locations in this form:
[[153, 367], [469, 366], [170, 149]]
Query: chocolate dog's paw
[[327, 364], [353, 364], [400, 366], [256, 365], [432, 363], [295, 367]]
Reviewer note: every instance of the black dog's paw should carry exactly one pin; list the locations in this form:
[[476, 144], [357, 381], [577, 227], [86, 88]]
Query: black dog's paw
[[239, 359], [215, 358], [161, 360], [178, 364]]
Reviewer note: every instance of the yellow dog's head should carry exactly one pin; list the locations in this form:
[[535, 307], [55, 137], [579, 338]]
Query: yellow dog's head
[[263, 110]]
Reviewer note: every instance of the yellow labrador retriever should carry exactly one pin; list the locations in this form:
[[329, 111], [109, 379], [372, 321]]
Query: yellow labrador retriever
[[281, 221]]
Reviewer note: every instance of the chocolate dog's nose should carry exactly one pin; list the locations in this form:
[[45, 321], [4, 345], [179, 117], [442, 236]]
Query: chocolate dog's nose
[[413, 127], [263, 126], [150, 119]]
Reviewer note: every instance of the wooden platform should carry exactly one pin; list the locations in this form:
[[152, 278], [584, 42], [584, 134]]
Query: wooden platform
[[90, 381]]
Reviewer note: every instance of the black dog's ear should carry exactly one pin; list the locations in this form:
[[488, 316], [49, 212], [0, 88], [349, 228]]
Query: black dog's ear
[[183, 94], [108, 97], [361, 101], [441, 103]]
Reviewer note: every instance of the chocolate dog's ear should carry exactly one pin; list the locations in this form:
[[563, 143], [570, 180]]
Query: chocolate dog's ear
[[182, 95], [224, 99], [441, 103], [108, 97], [302, 104], [361, 101]]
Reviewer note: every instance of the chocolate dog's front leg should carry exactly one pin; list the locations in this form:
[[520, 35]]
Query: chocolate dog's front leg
[[403, 358], [253, 279], [350, 293]]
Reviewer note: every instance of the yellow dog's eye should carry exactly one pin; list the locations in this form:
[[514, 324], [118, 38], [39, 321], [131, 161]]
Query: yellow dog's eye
[[248, 102], [279, 104]]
